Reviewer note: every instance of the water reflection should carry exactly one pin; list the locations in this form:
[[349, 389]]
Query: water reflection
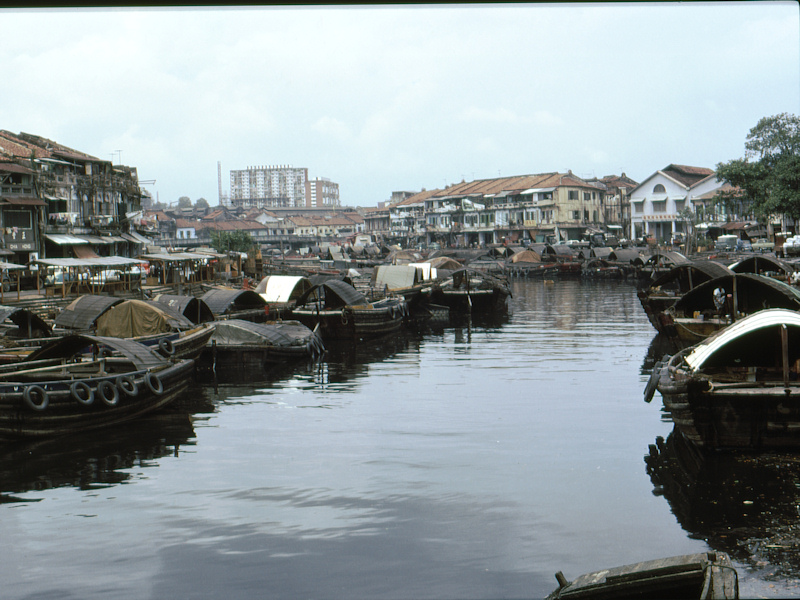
[[744, 504], [93, 459]]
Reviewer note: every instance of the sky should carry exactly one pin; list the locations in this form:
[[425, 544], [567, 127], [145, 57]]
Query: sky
[[399, 97]]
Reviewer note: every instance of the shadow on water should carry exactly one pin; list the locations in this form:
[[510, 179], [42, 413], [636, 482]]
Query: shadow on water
[[745, 504], [93, 459]]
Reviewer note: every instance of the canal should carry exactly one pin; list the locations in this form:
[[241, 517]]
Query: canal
[[463, 462]]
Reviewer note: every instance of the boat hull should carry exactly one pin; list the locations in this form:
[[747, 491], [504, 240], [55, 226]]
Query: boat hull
[[742, 415], [64, 414]]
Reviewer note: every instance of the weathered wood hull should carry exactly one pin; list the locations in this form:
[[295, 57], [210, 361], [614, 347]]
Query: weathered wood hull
[[471, 301], [706, 575], [746, 415], [65, 414], [352, 323]]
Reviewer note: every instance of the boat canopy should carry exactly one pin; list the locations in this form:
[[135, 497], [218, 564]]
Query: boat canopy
[[194, 309], [762, 264], [133, 318], [282, 288], [626, 255], [753, 293], [336, 294], [696, 272], [526, 256], [82, 312], [742, 337], [29, 323], [140, 355], [223, 301], [239, 332]]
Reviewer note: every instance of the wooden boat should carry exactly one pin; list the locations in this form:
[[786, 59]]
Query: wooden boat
[[239, 346], [767, 265], [707, 575], [63, 389], [666, 289], [194, 309], [157, 326], [738, 388], [717, 303], [470, 291], [342, 312]]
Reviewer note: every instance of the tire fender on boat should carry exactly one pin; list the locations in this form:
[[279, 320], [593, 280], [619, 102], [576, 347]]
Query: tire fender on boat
[[36, 391], [166, 347], [154, 383], [108, 393], [127, 385], [82, 392], [652, 383]]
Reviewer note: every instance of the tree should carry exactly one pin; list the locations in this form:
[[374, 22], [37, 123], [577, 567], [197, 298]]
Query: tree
[[184, 202], [768, 176], [201, 203], [231, 241]]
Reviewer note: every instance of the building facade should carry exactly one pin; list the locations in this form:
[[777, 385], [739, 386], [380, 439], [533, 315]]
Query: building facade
[[321, 192], [281, 186]]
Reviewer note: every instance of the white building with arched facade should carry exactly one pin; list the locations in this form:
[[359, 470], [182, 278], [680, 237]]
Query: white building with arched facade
[[657, 202]]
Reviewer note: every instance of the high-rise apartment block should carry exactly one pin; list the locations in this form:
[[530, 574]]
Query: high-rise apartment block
[[281, 186]]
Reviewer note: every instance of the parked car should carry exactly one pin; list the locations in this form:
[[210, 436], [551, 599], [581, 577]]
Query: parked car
[[59, 276], [744, 246], [726, 243], [762, 245], [105, 276]]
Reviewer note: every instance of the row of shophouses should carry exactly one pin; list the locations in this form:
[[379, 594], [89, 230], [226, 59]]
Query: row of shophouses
[[59, 202], [551, 207]]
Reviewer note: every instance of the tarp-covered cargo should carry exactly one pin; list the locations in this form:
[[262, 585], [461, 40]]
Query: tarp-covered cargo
[[133, 318]]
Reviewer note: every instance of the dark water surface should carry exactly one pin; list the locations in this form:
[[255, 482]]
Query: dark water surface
[[469, 462]]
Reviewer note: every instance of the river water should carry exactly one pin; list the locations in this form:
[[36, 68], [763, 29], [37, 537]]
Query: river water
[[464, 462]]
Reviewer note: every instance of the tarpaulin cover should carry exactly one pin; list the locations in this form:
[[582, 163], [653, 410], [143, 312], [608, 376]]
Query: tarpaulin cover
[[395, 277], [236, 332], [445, 262], [133, 318], [526, 256], [140, 355]]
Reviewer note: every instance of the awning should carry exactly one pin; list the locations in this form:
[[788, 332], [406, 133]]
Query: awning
[[82, 251], [64, 239], [100, 261], [137, 238], [538, 190], [24, 201], [96, 239]]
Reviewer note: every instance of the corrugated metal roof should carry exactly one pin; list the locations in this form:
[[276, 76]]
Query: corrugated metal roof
[[64, 239], [101, 261]]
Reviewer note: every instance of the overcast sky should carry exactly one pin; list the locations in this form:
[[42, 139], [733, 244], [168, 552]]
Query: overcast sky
[[391, 98]]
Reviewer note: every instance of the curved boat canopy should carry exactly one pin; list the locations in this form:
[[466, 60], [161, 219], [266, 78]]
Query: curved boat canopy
[[762, 264], [753, 293], [690, 274], [194, 309], [336, 294], [140, 355], [282, 288], [739, 338], [222, 301], [29, 324], [81, 313]]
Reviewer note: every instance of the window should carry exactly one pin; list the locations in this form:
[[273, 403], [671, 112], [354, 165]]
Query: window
[[660, 207], [576, 215], [659, 189], [573, 195], [638, 207], [587, 196], [17, 218]]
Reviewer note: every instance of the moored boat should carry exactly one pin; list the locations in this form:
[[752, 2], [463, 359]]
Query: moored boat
[[242, 346], [738, 388], [706, 576], [342, 312], [470, 291], [83, 382]]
